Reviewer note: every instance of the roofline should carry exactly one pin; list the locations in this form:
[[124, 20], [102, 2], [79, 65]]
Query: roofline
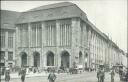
[[51, 7], [10, 11], [85, 20], [8, 28]]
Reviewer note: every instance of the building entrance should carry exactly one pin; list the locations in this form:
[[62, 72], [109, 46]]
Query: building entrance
[[65, 59], [36, 57], [50, 59], [23, 59]]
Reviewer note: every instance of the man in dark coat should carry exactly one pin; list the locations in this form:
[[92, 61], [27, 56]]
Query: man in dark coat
[[102, 75], [112, 75], [98, 74], [121, 73], [52, 76], [7, 75], [23, 74]]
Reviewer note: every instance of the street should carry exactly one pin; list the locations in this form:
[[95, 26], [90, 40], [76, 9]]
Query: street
[[84, 77]]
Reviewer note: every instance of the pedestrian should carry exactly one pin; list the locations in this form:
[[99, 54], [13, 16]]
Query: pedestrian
[[23, 74], [67, 70], [52, 76], [121, 73], [102, 75], [7, 75], [98, 74], [112, 75], [126, 75]]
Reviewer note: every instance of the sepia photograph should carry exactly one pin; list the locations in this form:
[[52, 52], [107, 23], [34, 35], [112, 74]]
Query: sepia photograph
[[64, 41]]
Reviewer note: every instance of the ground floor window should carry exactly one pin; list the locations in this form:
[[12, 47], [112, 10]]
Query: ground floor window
[[36, 57], [65, 60], [10, 56], [50, 59], [23, 59]]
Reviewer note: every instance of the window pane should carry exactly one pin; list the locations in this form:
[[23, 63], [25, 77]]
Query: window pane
[[10, 56], [10, 39], [2, 35]]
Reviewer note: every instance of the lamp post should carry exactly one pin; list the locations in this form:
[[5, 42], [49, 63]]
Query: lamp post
[[127, 62], [86, 63]]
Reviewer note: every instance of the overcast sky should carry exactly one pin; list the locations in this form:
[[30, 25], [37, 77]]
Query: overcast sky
[[110, 16]]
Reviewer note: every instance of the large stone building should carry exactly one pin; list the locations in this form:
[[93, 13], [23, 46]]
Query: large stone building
[[59, 35], [7, 37]]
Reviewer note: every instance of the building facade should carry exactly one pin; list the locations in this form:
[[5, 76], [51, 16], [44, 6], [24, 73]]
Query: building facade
[[7, 35], [61, 35]]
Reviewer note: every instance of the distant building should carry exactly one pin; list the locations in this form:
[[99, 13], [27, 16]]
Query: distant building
[[124, 59], [59, 35], [7, 37]]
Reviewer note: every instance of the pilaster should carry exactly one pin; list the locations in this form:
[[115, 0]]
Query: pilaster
[[58, 56], [42, 56], [29, 43]]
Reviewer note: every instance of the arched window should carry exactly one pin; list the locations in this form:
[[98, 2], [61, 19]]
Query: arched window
[[80, 57], [65, 59], [23, 59], [50, 59], [36, 57]]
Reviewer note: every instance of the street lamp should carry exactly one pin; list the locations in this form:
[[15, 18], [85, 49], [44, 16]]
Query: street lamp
[[127, 62], [86, 62]]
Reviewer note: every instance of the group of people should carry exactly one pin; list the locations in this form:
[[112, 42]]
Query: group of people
[[101, 74], [123, 74], [22, 73], [52, 77]]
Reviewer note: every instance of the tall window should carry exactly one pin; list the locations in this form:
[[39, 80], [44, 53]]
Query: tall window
[[2, 36], [51, 33], [81, 38], [39, 33], [23, 35], [2, 55], [80, 58], [65, 33], [10, 39], [10, 56], [36, 33]]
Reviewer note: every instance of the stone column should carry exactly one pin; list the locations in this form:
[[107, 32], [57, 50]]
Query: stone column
[[17, 45], [43, 45], [75, 39], [29, 62], [6, 39], [127, 60], [58, 43], [90, 49], [36, 35], [6, 48], [6, 58], [14, 46]]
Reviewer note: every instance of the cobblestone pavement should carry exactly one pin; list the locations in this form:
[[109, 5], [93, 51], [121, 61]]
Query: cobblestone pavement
[[84, 77]]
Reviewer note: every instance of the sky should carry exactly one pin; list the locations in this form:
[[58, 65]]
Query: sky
[[109, 16]]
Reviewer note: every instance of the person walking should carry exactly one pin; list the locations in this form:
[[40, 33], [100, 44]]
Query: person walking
[[98, 74], [121, 73], [23, 74], [52, 76], [102, 75], [7, 75], [112, 75]]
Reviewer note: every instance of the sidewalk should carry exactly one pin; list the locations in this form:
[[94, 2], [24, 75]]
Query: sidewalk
[[42, 74], [15, 75]]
